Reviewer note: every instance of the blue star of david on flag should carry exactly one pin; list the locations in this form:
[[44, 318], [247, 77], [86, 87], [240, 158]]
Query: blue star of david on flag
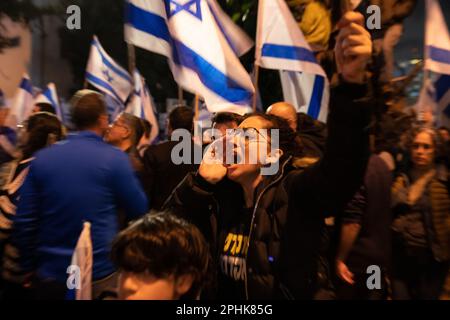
[[107, 75], [192, 6]]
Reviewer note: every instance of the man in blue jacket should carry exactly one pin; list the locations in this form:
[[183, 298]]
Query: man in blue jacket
[[80, 179]]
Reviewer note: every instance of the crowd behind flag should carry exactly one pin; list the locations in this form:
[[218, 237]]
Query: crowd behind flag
[[281, 45], [199, 54]]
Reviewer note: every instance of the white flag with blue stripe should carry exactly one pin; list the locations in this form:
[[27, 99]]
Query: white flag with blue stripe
[[435, 99], [80, 269], [200, 56], [442, 98], [238, 40], [281, 45], [22, 106], [141, 105], [106, 75], [50, 96], [309, 93], [437, 40]]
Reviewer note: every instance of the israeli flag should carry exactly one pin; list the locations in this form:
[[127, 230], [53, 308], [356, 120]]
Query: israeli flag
[[435, 99], [22, 106], [238, 40], [106, 75], [50, 96], [200, 56], [281, 45], [141, 104], [309, 93], [442, 98], [437, 40], [79, 281]]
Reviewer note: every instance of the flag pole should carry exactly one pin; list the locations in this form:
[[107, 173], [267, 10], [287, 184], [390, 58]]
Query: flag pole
[[255, 96], [426, 72], [180, 95], [196, 106], [131, 59]]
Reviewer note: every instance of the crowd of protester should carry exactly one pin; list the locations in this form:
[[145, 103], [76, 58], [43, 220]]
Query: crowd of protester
[[365, 190]]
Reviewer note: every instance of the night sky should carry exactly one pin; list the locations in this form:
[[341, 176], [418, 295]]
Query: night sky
[[412, 42]]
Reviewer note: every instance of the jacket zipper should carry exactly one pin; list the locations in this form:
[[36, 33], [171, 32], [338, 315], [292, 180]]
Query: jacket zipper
[[253, 220]]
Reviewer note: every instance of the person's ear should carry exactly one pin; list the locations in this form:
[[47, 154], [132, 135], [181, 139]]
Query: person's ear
[[128, 133], [183, 284], [274, 156]]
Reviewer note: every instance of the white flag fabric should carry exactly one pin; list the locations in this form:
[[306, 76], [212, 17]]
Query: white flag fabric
[[50, 96], [308, 93], [280, 44], [82, 258], [106, 75], [141, 104], [22, 105], [238, 40], [435, 99], [200, 56], [437, 40], [442, 98]]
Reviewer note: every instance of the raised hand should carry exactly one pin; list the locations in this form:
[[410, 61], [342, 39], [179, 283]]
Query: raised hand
[[212, 168], [353, 49]]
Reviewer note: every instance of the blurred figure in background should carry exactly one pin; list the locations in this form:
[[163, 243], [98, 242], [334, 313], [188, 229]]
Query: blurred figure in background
[[81, 179], [363, 235], [125, 133], [312, 133], [314, 20], [162, 174], [421, 208], [42, 130]]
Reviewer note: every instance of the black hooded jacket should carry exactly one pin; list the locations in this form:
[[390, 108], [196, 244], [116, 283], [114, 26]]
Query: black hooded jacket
[[285, 223]]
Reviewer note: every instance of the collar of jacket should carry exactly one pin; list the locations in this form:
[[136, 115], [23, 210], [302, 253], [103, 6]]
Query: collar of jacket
[[85, 135]]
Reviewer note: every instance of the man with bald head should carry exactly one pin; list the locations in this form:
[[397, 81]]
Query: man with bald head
[[311, 132], [286, 111]]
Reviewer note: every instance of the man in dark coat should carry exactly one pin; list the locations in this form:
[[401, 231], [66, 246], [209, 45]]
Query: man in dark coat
[[162, 174]]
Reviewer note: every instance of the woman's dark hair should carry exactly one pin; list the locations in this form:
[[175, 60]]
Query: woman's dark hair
[[164, 245], [226, 117], [45, 107], [147, 127], [288, 143], [42, 127], [181, 118]]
